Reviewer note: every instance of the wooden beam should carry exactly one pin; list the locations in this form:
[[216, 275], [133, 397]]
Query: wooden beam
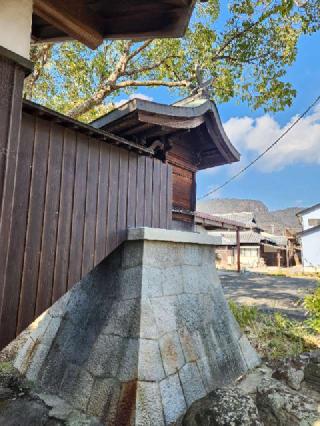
[[139, 128], [71, 19]]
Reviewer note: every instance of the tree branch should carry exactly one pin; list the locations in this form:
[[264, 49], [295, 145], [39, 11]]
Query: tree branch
[[111, 85], [233, 59], [148, 83], [150, 67], [239, 34], [98, 97], [105, 87], [143, 46], [41, 56]]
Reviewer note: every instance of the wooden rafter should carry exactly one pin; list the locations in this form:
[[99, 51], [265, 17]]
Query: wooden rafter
[[74, 21], [58, 20]]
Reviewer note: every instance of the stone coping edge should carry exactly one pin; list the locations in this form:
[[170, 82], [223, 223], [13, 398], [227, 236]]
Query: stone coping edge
[[157, 234]]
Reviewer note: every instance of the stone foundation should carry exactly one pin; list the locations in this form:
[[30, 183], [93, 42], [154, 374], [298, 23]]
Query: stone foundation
[[143, 336]]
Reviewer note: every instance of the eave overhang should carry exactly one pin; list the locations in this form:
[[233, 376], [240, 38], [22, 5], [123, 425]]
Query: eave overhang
[[200, 125], [309, 231], [308, 210], [91, 21], [69, 123]]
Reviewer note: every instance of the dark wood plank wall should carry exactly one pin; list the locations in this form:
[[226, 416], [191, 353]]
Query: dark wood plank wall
[[73, 199], [183, 188], [184, 164]]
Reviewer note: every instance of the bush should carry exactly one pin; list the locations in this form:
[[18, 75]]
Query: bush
[[312, 306]]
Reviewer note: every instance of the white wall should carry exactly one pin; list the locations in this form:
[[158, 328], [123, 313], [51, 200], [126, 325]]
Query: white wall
[[15, 25], [315, 214], [311, 249]]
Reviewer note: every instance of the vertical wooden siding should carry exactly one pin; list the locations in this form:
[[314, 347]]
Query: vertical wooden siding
[[73, 199]]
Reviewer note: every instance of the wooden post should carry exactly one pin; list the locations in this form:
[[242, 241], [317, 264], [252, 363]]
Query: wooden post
[[279, 258], [287, 257], [13, 69], [238, 250], [15, 29]]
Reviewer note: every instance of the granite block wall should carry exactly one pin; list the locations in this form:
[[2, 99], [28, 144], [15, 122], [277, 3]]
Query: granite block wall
[[142, 337]]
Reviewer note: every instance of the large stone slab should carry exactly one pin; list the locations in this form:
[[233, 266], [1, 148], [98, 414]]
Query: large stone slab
[[142, 337]]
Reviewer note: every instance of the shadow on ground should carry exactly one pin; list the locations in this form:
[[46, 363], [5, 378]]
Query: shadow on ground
[[268, 293]]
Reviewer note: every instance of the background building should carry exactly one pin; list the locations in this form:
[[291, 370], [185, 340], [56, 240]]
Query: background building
[[310, 236]]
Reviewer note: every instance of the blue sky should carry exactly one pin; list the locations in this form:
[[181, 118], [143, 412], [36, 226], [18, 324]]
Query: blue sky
[[297, 181], [290, 176]]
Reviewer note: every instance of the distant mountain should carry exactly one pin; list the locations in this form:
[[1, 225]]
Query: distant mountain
[[231, 205], [289, 217], [271, 221]]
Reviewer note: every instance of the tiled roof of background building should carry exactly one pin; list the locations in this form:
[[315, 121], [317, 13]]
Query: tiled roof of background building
[[275, 222]]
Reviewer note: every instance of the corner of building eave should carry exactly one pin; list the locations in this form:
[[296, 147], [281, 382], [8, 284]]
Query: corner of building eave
[[188, 16], [233, 153]]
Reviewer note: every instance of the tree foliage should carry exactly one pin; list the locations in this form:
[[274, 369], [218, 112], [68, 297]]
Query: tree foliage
[[246, 57]]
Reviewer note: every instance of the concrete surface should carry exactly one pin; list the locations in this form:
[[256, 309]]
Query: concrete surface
[[174, 236], [269, 293], [142, 337]]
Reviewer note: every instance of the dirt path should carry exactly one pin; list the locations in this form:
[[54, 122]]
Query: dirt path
[[270, 293]]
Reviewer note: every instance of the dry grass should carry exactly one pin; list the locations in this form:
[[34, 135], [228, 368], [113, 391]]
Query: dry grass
[[273, 335], [294, 274]]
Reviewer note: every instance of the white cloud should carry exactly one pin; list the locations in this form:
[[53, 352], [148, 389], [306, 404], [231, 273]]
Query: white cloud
[[141, 96], [134, 96], [300, 145]]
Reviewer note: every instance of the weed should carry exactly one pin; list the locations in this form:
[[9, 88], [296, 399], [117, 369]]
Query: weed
[[274, 335], [6, 367], [244, 314], [312, 306]]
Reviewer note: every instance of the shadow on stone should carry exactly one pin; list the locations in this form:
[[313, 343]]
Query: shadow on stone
[[141, 338]]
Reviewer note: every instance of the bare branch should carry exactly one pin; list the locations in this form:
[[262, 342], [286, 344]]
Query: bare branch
[[148, 83], [150, 67], [98, 97], [143, 46]]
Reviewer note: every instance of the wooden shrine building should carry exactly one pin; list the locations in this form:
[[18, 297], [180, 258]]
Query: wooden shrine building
[[69, 191], [187, 135], [77, 188]]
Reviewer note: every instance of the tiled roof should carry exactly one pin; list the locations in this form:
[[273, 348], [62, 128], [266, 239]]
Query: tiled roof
[[250, 237], [246, 237], [246, 218], [219, 221], [279, 240], [274, 222]]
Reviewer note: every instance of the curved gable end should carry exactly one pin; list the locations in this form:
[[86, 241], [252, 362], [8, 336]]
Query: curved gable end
[[188, 135], [192, 133]]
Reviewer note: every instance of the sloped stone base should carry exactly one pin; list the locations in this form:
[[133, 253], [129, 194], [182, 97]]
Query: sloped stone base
[[142, 337]]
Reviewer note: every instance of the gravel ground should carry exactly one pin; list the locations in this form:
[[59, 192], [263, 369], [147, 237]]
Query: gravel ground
[[269, 293]]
